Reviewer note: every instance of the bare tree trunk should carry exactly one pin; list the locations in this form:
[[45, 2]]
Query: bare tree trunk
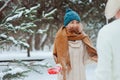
[[47, 33], [43, 43], [37, 42], [28, 52], [29, 41]]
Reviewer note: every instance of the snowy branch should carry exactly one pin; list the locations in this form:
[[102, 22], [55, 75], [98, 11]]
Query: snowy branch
[[4, 20], [12, 73], [43, 31], [50, 13], [90, 1], [4, 6], [14, 17], [84, 16]]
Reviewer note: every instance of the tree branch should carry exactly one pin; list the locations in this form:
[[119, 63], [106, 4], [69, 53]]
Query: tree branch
[[4, 6]]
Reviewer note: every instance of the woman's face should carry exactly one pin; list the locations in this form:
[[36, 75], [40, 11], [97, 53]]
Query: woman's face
[[74, 27]]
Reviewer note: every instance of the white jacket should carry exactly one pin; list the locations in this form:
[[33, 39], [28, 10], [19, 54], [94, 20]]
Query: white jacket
[[108, 47]]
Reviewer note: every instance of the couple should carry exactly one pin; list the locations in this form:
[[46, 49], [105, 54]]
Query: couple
[[72, 47]]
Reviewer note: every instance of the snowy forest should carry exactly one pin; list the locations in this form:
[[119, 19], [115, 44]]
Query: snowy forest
[[32, 24]]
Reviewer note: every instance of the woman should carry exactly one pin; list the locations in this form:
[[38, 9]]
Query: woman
[[72, 48]]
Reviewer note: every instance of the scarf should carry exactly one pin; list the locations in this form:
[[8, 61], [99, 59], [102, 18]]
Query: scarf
[[61, 51]]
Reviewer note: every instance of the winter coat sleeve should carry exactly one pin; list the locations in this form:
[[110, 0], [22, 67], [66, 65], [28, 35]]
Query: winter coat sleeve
[[104, 66]]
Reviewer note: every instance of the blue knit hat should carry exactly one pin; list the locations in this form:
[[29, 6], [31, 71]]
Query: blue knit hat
[[70, 15]]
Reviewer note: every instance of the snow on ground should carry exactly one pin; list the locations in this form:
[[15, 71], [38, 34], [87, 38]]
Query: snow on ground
[[48, 59], [10, 55]]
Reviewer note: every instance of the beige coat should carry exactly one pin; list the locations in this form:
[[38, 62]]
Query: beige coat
[[78, 58]]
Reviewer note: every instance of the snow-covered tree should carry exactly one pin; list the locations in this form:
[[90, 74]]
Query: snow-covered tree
[[21, 20]]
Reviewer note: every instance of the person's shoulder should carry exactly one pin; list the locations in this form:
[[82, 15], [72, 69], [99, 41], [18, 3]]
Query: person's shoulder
[[110, 26], [104, 30], [114, 23], [60, 32]]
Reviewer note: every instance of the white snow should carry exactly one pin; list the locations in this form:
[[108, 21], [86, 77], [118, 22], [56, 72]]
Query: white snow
[[35, 7], [48, 14], [47, 55], [27, 25], [3, 35], [23, 43], [90, 1], [15, 16], [12, 39], [43, 31], [12, 72], [19, 55], [27, 11]]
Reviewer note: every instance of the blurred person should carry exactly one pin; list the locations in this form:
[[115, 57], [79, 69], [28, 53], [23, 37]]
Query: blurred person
[[108, 44], [72, 48]]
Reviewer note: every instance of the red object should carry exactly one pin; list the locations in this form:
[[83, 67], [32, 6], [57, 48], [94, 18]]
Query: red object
[[54, 70]]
